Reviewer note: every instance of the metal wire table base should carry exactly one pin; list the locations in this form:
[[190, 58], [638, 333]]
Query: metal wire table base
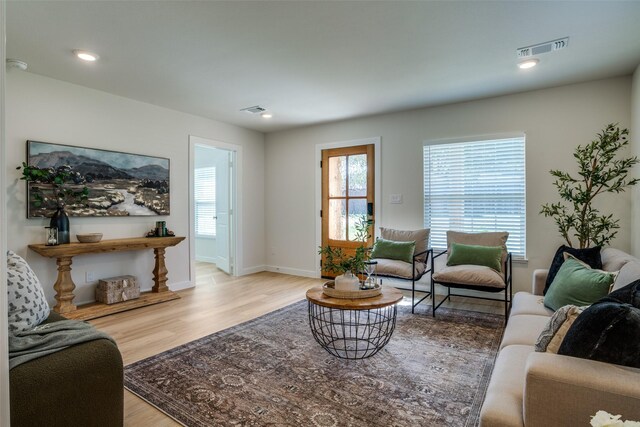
[[352, 334]]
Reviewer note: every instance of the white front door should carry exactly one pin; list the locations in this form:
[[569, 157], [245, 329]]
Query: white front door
[[223, 211]]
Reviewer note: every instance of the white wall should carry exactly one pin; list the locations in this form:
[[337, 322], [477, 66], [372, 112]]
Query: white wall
[[4, 327], [635, 146], [44, 109], [555, 121]]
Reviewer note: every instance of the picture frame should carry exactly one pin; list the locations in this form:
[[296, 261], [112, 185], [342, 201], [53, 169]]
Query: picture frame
[[114, 183]]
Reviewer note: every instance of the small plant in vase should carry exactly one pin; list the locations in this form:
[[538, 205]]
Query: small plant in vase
[[599, 172], [51, 189], [346, 266]]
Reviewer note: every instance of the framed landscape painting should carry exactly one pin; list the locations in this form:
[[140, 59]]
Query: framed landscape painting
[[111, 183]]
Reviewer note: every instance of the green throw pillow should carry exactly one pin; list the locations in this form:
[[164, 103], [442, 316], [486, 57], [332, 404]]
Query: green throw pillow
[[390, 249], [577, 284], [489, 256]]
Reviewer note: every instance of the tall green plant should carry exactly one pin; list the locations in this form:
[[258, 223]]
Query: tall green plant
[[336, 261], [599, 172]]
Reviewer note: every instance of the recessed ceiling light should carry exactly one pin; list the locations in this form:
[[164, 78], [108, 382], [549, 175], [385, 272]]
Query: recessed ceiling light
[[85, 55], [529, 63], [266, 115]]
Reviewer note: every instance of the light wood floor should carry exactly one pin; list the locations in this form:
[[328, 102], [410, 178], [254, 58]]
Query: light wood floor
[[217, 302]]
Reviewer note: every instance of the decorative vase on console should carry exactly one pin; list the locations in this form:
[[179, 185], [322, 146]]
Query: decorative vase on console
[[60, 220], [347, 282]]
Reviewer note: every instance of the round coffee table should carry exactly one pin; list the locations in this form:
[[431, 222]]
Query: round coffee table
[[353, 328]]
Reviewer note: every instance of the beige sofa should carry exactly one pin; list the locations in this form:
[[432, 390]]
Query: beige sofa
[[544, 389]]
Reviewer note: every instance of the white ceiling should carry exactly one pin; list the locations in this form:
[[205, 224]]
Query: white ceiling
[[317, 61]]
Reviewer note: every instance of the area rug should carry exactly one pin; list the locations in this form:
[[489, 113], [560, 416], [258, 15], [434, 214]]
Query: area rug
[[271, 372]]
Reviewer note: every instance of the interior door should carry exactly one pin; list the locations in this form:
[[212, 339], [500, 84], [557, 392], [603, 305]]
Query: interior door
[[223, 206], [347, 196]]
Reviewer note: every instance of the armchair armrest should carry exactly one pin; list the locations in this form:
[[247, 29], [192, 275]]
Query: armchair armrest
[[538, 281], [562, 390]]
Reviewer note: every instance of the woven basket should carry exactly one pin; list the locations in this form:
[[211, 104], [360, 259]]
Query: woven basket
[[328, 289]]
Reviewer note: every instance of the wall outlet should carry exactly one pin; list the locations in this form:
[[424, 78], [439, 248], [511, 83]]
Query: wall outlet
[[90, 277], [395, 198]]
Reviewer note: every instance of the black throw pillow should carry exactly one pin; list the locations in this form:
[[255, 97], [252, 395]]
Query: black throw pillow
[[608, 332], [590, 255], [629, 294]]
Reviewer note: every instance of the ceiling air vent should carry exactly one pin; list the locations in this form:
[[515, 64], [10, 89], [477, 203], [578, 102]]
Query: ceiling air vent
[[537, 49], [254, 110]]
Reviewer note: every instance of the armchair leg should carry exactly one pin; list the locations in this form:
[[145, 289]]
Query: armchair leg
[[413, 295]]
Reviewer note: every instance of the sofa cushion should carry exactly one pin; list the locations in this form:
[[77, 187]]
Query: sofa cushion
[[614, 259], [607, 332], [489, 256], [629, 272], [470, 275], [523, 329], [28, 305], [399, 269], [527, 303], [553, 334], [390, 249], [577, 284], [589, 255], [421, 237], [503, 402]]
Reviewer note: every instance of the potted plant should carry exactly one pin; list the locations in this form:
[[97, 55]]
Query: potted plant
[[599, 172], [53, 189], [346, 266]]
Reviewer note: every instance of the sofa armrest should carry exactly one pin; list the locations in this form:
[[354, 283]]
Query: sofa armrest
[[538, 281], [562, 390]]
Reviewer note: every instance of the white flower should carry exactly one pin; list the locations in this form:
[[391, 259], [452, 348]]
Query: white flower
[[605, 419]]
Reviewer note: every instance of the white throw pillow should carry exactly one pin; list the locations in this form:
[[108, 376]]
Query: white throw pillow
[[27, 304]]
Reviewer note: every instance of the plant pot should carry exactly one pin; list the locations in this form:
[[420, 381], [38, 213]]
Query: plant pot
[[347, 282], [60, 220]]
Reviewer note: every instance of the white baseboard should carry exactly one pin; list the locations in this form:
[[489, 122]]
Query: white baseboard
[[292, 271], [181, 285], [253, 270], [209, 259]]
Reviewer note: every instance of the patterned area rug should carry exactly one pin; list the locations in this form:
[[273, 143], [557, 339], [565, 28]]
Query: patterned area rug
[[271, 372]]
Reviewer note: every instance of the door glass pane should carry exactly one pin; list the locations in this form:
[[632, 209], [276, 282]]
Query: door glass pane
[[337, 219], [358, 175], [357, 213], [338, 176]]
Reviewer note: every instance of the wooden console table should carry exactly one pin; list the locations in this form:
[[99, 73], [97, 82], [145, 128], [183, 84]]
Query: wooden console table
[[64, 285]]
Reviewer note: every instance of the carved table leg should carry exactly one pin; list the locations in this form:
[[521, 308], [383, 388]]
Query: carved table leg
[[159, 272], [64, 286]]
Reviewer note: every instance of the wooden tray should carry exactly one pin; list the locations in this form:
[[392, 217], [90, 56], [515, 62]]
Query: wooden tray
[[328, 289]]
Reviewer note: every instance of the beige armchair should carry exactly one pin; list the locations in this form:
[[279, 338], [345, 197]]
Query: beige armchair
[[475, 277], [413, 271]]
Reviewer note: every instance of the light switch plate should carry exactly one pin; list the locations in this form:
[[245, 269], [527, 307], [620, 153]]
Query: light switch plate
[[395, 198]]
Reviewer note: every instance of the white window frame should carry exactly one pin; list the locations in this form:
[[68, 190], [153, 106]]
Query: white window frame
[[517, 229], [208, 198]]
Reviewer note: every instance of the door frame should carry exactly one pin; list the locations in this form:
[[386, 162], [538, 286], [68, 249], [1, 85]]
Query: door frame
[[235, 227], [377, 178]]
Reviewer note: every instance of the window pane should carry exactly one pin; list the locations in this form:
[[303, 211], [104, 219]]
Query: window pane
[[357, 213], [205, 201], [337, 219], [338, 176], [474, 187], [358, 175]]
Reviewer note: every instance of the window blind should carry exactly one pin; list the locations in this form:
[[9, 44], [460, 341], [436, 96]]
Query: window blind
[[474, 187], [205, 201]]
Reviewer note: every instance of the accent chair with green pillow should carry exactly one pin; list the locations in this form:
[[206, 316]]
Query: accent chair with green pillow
[[391, 250], [475, 261]]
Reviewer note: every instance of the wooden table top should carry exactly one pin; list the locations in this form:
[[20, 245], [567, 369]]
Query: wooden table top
[[114, 245], [388, 297]]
